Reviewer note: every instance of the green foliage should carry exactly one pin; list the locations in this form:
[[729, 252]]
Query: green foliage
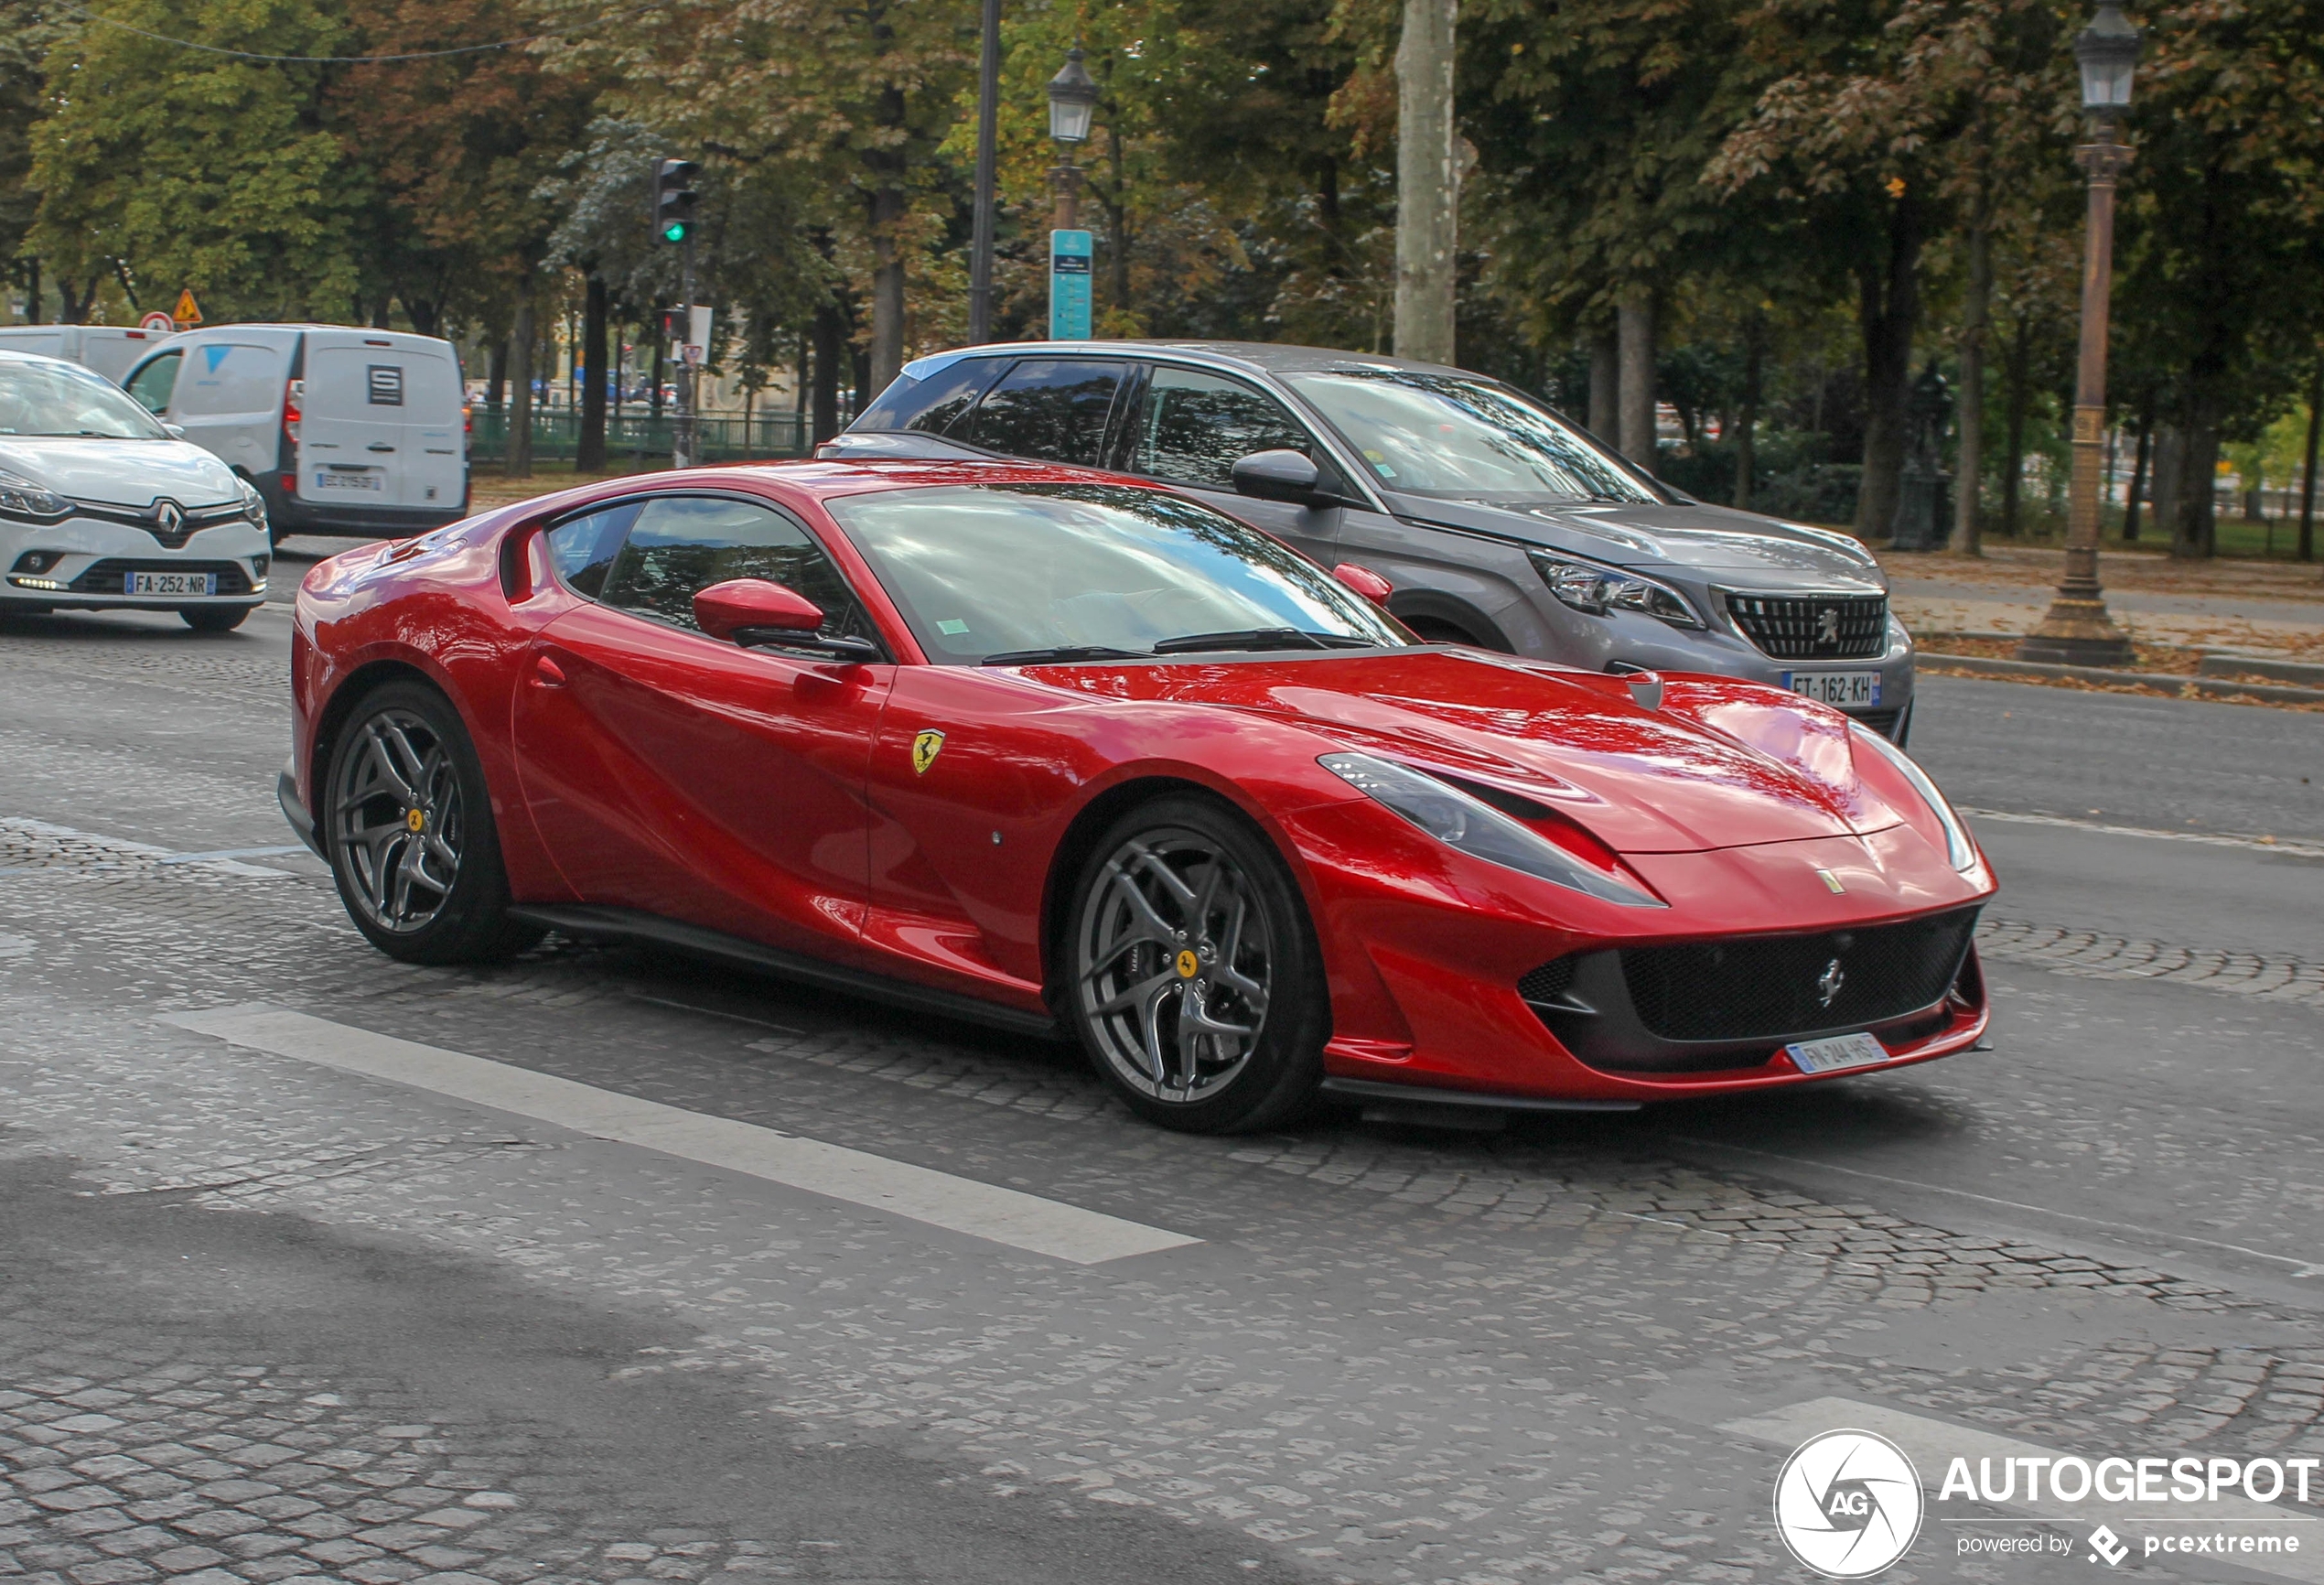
[[200, 170]]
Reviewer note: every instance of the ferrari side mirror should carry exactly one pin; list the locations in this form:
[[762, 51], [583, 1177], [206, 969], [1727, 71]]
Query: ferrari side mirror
[[1364, 581], [742, 605]]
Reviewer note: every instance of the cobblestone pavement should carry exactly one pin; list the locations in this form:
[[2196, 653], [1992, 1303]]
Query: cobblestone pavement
[[264, 1322]]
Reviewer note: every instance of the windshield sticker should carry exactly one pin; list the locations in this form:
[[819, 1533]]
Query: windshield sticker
[[952, 627]]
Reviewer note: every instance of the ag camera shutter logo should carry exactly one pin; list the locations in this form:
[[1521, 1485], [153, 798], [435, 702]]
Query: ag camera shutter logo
[[1848, 1504]]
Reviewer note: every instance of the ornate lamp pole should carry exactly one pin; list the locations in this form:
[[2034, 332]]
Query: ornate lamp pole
[[1072, 106], [2077, 629]]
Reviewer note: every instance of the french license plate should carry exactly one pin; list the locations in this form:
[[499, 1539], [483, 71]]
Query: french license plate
[[1849, 690], [325, 479], [1839, 1052], [169, 582]]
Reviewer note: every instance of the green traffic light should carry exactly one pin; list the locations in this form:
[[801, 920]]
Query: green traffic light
[[675, 231]]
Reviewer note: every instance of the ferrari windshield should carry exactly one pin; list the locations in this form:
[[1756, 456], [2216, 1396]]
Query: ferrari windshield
[[1449, 435], [57, 399], [1024, 572]]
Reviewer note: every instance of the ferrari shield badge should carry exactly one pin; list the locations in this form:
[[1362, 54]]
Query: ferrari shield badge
[[926, 746]]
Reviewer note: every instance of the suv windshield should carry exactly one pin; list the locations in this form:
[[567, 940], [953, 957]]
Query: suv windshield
[[1027, 572], [58, 399], [1447, 434]]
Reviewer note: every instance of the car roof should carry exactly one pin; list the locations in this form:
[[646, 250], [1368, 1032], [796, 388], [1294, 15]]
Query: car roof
[[1244, 357], [823, 480], [10, 355]]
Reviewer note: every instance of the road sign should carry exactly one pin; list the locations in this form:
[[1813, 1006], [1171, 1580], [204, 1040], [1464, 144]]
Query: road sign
[[188, 311], [160, 323], [1069, 285]]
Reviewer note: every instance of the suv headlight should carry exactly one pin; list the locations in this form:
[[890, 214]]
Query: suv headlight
[[1959, 851], [1476, 828], [1587, 586], [20, 498]]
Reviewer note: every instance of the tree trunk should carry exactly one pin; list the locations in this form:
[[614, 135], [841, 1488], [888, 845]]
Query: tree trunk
[[380, 311], [75, 305], [2192, 535], [1968, 526], [2170, 455], [1427, 182], [661, 353], [2140, 455], [32, 290], [2013, 456], [2308, 471], [1747, 425], [888, 288], [830, 344], [496, 377], [1606, 387], [1117, 222], [1889, 310], [1634, 319], [588, 456], [518, 461]]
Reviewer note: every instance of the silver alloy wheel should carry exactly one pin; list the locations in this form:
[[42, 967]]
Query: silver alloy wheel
[[1172, 959], [397, 826]]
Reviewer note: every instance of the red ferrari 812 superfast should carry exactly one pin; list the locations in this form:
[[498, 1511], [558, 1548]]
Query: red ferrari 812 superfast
[[1072, 754]]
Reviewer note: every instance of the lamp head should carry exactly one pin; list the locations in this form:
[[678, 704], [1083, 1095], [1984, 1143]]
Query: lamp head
[[2107, 51], [1072, 100]]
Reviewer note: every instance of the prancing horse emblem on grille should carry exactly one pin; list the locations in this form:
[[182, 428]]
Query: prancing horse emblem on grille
[[1827, 625], [169, 517], [1828, 984]]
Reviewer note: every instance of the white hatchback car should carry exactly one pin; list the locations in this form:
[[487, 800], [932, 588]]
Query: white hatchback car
[[104, 508]]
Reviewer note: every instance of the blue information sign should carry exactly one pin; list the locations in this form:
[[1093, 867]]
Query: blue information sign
[[1069, 285]]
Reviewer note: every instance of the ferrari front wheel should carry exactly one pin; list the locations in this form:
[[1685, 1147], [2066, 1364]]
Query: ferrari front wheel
[[1196, 985], [408, 824]]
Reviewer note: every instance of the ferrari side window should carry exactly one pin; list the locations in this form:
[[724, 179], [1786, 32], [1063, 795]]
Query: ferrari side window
[[582, 548], [683, 544], [1197, 426], [1048, 408]]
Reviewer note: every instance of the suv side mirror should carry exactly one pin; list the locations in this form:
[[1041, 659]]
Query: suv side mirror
[[1290, 475]]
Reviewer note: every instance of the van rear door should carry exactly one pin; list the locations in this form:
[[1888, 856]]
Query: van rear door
[[351, 436], [435, 445]]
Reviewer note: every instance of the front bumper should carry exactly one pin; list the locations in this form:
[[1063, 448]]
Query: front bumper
[[294, 810], [78, 564]]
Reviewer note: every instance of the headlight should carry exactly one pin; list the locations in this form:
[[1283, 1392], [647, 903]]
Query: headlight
[[253, 503], [1587, 586], [21, 498], [1959, 851], [1476, 828]]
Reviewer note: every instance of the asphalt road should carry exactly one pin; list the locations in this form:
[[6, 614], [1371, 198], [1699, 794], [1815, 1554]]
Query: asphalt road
[[474, 1342]]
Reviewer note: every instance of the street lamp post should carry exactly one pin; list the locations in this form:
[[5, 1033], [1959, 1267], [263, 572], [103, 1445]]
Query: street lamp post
[[2077, 629], [1072, 105], [988, 93]]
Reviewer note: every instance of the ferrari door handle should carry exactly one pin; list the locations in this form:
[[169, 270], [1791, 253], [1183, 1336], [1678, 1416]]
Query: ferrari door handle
[[547, 674]]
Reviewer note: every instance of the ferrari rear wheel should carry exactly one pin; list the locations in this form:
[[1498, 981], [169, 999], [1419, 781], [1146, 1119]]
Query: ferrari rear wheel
[[408, 823], [1196, 986]]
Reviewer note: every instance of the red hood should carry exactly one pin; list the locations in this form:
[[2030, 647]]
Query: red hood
[[1720, 764]]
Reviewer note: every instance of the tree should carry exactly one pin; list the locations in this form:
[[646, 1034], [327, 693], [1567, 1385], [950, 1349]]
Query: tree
[[181, 168]]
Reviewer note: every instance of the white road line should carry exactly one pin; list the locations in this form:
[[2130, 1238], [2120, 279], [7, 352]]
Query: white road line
[[2207, 839], [1933, 1444], [939, 1199], [221, 861], [230, 853]]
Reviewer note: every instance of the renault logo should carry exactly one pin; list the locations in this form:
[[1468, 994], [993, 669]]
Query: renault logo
[[1827, 625], [168, 516], [1828, 984]]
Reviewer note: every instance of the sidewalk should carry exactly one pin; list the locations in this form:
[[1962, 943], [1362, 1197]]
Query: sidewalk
[[2258, 607]]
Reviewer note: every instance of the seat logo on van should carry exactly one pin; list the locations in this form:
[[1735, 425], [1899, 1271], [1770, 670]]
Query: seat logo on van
[[386, 385]]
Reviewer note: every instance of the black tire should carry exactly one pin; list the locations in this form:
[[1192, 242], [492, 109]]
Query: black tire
[[1159, 894], [1437, 631], [428, 890], [213, 619]]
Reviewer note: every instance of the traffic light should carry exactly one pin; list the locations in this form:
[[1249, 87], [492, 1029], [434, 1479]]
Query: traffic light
[[674, 199]]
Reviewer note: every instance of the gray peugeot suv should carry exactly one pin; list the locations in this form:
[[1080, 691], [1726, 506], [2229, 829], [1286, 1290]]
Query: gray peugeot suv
[[1496, 522]]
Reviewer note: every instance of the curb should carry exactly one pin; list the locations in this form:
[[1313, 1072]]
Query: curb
[[2186, 687]]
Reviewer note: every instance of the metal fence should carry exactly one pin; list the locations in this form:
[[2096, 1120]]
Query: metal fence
[[640, 437]]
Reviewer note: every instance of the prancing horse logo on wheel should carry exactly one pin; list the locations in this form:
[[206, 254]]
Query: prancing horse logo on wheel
[[1828, 984]]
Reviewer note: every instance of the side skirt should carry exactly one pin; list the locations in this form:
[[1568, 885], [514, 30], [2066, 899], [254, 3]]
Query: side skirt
[[589, 922]]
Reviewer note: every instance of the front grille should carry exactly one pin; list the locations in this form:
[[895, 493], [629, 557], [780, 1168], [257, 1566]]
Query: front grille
[[1812, 627], [1764, 987], [1881, 722], [193, 521], [1549, 982], [104, 577]]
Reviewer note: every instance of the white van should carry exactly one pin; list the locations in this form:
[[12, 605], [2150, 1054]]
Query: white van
[[343, 429], [107, 348]]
